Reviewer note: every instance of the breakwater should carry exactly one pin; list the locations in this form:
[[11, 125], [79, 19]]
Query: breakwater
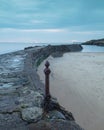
[[28, 91]]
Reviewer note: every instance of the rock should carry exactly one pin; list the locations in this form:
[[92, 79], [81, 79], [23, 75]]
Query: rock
[[54, 99], [30, 98], [12, 122], [68, 115], [30, 47], [55, 125], [54, 110], [55, 115], [57, 54], [32, 114], [38, 99]]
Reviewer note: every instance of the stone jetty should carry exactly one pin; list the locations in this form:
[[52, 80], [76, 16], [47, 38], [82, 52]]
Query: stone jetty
[[22, 93]]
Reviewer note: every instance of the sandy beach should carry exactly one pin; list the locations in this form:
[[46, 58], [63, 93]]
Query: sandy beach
[[77, 81]]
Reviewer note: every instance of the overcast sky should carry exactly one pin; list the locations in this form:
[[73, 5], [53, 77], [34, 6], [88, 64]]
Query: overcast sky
[[51, 20]]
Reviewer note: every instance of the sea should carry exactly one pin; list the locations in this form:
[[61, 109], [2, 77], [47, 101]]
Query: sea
[[7, 47], [13, 46], [89, 48]]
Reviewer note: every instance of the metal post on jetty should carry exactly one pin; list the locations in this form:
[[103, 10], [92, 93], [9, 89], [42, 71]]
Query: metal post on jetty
[[50, 103], [47, 72]]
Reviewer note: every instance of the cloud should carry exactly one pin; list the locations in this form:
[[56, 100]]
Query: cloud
[[48, 35], [50, 14]]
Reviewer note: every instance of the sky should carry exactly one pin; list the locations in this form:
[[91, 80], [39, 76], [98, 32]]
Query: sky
[[51, 20]]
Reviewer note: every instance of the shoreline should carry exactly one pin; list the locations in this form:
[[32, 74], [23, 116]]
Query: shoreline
[[29, 96]]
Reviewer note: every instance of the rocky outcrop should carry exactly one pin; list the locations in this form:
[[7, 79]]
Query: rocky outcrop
[[99, 42]]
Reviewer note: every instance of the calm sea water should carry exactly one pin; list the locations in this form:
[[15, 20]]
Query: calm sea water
[[10, 47], [89, 48]]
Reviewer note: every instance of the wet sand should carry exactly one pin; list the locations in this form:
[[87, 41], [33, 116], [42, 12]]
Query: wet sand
[[77, 80]]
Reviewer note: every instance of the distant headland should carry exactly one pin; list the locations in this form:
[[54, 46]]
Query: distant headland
[[98, 42]]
